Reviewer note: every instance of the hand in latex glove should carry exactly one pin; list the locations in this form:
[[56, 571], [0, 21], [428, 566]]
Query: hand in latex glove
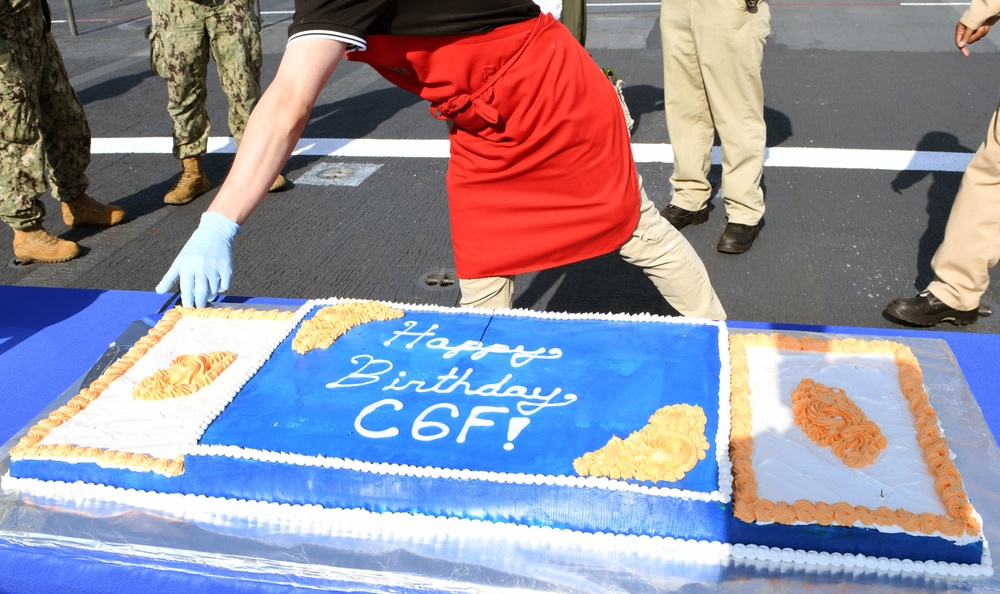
[[205, 264]]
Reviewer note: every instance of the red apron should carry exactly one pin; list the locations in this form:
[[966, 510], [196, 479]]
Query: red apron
[[541, 171]]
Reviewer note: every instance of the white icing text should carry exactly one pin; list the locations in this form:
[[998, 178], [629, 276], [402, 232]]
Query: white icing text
[[385, 418], [518, 356]]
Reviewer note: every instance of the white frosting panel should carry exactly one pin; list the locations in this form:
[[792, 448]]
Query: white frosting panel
[[789, 466], [117, 421]]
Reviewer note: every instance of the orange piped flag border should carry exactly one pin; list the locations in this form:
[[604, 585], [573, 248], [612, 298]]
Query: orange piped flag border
[[747, 506]]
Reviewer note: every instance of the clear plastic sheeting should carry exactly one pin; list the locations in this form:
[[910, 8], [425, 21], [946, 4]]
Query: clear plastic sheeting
[[338, 552]]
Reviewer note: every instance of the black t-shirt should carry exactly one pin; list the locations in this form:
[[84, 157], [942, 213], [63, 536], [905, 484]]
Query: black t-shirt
[[351, 21]]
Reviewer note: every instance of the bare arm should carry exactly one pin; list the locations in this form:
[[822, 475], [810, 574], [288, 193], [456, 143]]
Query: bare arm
[[204, 266], [276, 125]]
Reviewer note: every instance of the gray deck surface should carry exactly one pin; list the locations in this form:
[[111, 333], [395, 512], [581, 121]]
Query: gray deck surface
[[839, 241]]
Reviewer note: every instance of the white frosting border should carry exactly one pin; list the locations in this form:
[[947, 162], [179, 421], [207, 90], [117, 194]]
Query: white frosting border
[[327, 522], [406, 470]]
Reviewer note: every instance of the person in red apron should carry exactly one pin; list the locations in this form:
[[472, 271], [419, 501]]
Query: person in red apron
[[532, 184]]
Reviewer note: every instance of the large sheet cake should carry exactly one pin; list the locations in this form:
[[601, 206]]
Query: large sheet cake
[[585, 425]]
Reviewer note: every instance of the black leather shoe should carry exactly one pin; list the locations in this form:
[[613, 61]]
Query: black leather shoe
[[680, 218], [738, 238], [927, 310]]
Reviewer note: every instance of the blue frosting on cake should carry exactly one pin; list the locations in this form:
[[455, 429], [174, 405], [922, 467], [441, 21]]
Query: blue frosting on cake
[[551, 391]]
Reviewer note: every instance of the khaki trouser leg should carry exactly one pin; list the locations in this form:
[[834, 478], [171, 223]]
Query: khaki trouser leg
[[689, 121], [492, 292], [971, 245], [667, 258], [713, 51], [664, 255]]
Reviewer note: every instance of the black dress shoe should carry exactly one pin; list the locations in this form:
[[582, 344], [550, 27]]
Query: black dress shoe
[[738, 238], [926, 310], [680, 218]]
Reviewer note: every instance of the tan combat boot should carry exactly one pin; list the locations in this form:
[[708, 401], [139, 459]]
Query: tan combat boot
[[38, 245], [87, 211], [279, 184], [191, 184]]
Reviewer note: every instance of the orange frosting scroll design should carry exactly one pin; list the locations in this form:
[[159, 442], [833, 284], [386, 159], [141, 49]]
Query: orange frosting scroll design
[[186, 375], [831, 419], [747, 506], [332, 322], [666, 449]]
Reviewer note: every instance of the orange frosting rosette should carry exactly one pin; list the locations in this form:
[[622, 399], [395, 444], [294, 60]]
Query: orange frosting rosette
[[666, 449], [831, 419], [332, 322]]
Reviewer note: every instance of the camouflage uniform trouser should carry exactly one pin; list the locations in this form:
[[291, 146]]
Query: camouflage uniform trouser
[[42, 123], [182, 35]]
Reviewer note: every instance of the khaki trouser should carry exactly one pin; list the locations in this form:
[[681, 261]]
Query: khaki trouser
[[712, 56], [971, 245], [182, 35], [664, 255], [43, 128]]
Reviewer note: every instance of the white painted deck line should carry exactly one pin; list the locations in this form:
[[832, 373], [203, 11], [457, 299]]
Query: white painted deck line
[[814, 158]]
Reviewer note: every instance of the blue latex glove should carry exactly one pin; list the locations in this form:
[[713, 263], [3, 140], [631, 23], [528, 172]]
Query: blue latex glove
[[205, 264]]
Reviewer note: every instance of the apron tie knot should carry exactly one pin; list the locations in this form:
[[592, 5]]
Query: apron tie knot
[[481, 116]]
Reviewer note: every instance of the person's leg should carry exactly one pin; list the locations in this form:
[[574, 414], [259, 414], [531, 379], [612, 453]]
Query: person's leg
[[234, 35], [22, 159], [22, 156], [180, 56], [689, 121], [66, 143], [971, 245], [64, 127], [492, 292], [730, 41], [22, 181], [667, 258]]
